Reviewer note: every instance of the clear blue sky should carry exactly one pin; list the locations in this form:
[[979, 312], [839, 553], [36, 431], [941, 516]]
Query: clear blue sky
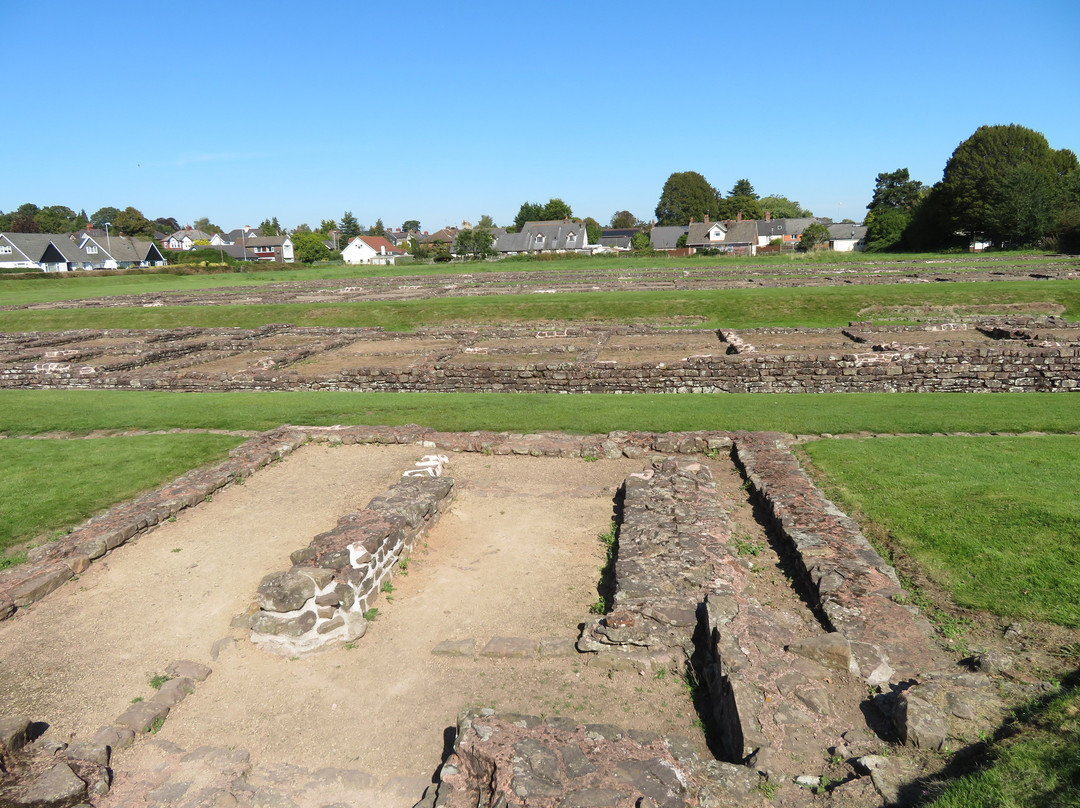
[[444, 111]]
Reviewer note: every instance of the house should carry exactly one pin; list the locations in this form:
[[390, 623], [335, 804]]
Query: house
[[440, 240], [787, 231], [371, 250], [618, 239], [269, 248], [846, 237], [739, 237], [185, 239], [558, 236], [667, 237], [60, 252]]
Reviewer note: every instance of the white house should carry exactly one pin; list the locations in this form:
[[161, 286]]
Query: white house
[[370, 250]]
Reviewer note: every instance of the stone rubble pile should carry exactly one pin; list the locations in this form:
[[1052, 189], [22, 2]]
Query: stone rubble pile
[[333, 582]]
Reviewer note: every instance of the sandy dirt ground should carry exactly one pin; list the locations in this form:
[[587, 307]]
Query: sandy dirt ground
[[515, 555]]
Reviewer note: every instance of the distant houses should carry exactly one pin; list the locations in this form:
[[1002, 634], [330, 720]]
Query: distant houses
[[67, 252], [371, 250]]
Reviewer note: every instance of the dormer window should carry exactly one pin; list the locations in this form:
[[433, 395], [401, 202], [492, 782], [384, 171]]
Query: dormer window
[[4, 250], [571, 237], [539, 242], [91, 250]]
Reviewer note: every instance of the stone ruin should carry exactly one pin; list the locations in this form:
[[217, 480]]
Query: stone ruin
[[779, 686]]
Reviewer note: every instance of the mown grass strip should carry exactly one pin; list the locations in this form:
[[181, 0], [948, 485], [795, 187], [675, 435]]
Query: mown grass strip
[[817, 307], [82, 411], [994, 520], [51, 485]]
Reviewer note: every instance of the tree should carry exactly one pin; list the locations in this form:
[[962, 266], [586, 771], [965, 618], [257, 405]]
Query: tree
[[378, 229], [207, 226], [349, 228], [23, 223], [889, 213], [741, 199], [166, 224], [326, 225], [57, 219], [411, 226], [814, 236], [999, 174], [485, 222], [780, 207], [477, 243], [641, 241], [309, 248], [301, 229], [593, 230], [623, 220], [686, 195], [107, 214], [554, 210], [131, 222]]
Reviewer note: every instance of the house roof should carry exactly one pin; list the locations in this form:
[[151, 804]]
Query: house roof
[[267, 241], [697, 233], [741, 232], [616, 232], [667, 237], [776, 228], [380, 244], [842, 230], [194, 235], [447, 236], [552, 236]]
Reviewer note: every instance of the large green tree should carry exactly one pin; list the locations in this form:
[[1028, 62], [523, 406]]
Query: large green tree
[[58, 219], [411, 226], [593, 230], [1004, 182], [554, 210], [686, 195], [207, 226], [106, 214], [623, 220], [131, 222], [477, 243], [814, 236], [349, 227], [889, 213], [377, 229]]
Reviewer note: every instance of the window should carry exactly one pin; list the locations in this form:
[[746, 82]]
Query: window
[[539, 239], [5, 250], [571, 237], [91, 250]]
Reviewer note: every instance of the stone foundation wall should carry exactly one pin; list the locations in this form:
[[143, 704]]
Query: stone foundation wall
[[323, 598]]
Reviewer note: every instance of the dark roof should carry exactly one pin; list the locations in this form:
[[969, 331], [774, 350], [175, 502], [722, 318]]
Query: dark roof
[[667, 237]]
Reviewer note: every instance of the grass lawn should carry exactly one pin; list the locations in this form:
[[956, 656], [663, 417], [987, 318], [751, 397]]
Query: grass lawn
[[51, 485], [1038, 766], [994, 520], [25, 412], [819, 307]]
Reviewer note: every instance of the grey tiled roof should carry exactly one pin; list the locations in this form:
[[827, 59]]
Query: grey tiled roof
[[667, 237], [545, 236]]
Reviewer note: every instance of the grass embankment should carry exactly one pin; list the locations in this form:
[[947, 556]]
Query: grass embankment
[[993, 520], [28, 412], [817, 307], [1036, 766], [50, 485]]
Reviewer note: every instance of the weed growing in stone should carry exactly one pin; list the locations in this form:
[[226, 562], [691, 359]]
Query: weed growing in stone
[[136, 700], [747, 546], [590, 458], [157, 681], [371, 614], [156, 725], [403, 566], [388, 590]]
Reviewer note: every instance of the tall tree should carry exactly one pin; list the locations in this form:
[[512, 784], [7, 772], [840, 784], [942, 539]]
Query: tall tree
[[593, 230], [377, 229], [889, 213], [554, 210], [309, 248], [411, 226], [57, 219], [623, 219], [485, 222], [106, 214], [686, 195], [477, 243], [742, 199], [528, 212], [1001, 169], [349, 227], [167, 224], [326, 225], [131, 222]]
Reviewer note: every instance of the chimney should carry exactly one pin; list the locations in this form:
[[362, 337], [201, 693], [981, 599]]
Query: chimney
[[691, 220], [706, 218], [768, 216], [738, 216]]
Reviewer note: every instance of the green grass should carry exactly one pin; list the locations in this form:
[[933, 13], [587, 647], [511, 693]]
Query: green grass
[[50, 485], [819, 307], [26, 412], [1038, 766], [992, 519]]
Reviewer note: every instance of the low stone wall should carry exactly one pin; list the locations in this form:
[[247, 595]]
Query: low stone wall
[[323, 598], [858, 592]]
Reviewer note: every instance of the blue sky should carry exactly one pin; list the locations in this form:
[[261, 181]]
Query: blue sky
[[442, 112]]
